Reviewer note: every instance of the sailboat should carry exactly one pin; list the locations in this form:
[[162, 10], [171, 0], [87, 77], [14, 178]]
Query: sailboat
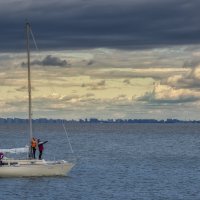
[[31, 167]]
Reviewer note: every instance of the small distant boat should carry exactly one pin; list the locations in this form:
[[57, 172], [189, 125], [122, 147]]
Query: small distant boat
[[31, 167]]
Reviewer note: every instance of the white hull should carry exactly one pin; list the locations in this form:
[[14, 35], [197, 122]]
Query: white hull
[[34, 168]]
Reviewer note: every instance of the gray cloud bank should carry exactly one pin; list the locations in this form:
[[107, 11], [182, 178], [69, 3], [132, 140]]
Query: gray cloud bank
[[91, 23], [49, 60]]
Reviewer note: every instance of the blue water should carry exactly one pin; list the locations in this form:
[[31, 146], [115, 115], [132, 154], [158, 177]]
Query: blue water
[[114, 161]]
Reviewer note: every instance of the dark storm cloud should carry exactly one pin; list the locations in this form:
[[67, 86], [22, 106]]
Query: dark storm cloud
[[127, 24], [49, 61]]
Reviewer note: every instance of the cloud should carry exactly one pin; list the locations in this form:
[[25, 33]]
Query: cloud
[[127, 73], [49, 60], [91, 100], [89, 24], [91, 62], [190, 80], [120, 97], [127, 81], [25, 89], [164, 94], [192, 63], [95, 85]]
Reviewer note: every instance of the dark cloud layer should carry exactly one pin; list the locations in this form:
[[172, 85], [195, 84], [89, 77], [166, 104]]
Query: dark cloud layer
[[127, 24], [49, 61]]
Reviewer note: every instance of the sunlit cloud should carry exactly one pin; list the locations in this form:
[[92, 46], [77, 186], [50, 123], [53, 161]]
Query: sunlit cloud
[[163, 94], [191, 79]]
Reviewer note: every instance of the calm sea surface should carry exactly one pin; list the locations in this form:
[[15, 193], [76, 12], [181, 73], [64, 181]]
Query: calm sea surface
[[114, 161]]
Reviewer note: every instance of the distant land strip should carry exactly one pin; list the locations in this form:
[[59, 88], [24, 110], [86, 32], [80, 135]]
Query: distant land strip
[[93, 120]]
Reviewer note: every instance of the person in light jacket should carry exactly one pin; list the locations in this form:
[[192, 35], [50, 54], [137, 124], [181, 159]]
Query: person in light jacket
[[41, 148]]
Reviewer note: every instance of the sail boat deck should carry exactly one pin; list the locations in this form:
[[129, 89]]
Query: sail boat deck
[[28, 168]]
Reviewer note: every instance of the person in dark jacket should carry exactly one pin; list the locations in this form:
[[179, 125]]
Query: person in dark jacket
[[41, 148]]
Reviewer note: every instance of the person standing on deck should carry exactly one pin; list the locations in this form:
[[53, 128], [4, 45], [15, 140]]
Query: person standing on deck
[[33, 146], [41, 148], [1, 157]]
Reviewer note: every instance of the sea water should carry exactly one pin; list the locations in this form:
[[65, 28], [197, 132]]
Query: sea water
[[113, 161]]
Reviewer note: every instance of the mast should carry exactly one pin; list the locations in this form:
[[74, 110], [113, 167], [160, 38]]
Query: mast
[[28, 27]]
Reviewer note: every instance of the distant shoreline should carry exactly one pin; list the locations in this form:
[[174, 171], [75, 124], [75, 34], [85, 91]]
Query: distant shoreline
[[94, 120]]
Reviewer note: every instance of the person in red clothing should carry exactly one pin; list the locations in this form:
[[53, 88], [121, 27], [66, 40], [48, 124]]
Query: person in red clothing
[[1, 157], [41, 148]]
